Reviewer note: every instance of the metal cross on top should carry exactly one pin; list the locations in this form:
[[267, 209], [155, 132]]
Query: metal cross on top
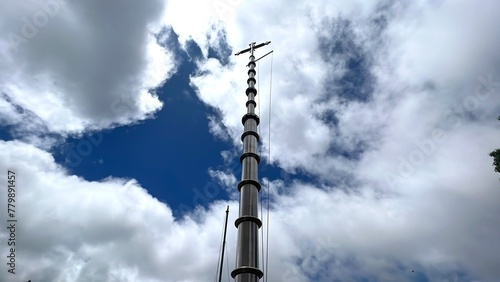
[[252, 47]]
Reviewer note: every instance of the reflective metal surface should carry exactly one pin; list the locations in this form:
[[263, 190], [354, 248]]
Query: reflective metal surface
[[248, 223]]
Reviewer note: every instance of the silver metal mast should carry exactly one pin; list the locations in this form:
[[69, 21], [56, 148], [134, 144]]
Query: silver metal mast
[[248, 222]]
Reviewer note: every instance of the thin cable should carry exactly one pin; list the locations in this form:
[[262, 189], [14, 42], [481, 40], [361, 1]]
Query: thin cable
[[258, 89], [260, 199], [268, 165]]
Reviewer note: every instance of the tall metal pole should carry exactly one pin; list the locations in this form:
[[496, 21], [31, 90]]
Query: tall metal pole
[[223, 245], [248, 222]]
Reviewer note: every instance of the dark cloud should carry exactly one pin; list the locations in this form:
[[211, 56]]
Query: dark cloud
[[341, 50], [88, 63]]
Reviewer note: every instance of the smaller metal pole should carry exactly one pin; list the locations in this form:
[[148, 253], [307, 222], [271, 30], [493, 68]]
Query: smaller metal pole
[[223, 245]]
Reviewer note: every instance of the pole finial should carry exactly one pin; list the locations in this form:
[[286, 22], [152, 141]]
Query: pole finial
[[252, 47]]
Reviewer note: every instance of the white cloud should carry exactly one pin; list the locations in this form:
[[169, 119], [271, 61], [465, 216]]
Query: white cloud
[[114, 228], [224, 178], [69, 227], [227, 180], [217, 129], [389, 51], [419, 65], [228, 156], [80, 66]]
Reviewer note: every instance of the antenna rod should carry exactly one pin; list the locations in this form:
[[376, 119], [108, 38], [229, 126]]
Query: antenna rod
[[223, 245], [263, 56], [248, 222]]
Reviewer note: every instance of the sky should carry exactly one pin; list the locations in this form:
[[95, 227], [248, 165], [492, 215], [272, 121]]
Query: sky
[[121, 121]]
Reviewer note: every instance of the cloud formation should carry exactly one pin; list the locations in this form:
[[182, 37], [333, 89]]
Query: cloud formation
[[381, 102], [394, 104], [70, 67]]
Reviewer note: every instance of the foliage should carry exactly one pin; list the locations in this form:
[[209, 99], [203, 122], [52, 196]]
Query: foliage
[[496, 158]]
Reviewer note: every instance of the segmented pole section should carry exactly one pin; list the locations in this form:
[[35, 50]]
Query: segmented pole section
[[248, 222]]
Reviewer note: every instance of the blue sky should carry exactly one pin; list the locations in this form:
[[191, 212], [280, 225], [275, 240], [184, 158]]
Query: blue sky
[[123, 124], [170, 154]]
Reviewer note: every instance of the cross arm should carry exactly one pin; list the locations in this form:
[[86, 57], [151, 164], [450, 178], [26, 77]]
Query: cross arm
[[252, 47]]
